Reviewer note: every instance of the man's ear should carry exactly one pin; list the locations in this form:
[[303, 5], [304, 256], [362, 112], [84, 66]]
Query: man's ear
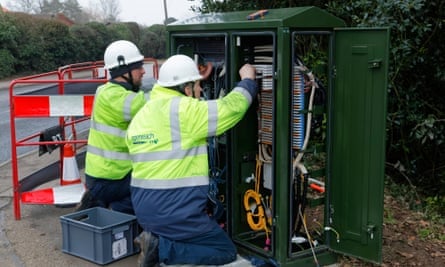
[[197, 89], [188, 90]]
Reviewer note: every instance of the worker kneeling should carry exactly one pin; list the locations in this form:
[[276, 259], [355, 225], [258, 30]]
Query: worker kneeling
[[167, 141]]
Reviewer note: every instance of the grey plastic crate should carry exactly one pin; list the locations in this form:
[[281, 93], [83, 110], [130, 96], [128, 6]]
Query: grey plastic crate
[[99, 235]]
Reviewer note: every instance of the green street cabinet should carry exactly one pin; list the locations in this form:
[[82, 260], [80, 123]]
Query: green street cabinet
[[300, 177]]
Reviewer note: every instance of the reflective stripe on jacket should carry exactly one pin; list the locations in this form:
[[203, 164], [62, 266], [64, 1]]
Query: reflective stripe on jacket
[[167, 141], [107, 154]]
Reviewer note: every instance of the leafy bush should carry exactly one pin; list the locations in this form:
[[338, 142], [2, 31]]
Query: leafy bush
[[89, 45], [31, 43], [153, 41], [55, 43], [8, 44], [7, 66]]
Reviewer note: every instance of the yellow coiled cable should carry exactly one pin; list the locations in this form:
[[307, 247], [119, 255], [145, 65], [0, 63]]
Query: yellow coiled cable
[[256, 220], [256, 217]]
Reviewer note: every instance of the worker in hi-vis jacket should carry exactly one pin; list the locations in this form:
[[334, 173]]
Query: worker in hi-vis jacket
[[167, 140], [108, 164]]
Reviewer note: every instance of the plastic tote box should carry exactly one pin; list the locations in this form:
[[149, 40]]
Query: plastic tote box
[[99, 235]]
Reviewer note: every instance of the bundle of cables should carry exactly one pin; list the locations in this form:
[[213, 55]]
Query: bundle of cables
[[259, 213]]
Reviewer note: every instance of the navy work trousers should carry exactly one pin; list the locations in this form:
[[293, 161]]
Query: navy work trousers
[[211, 248], [114, 194]]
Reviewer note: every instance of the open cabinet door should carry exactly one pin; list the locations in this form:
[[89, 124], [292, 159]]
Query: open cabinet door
[[357, 142]]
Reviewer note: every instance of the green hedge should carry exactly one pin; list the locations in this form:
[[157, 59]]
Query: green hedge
[[32, 44]]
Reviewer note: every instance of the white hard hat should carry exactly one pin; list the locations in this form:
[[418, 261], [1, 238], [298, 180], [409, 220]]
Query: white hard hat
[[178, 69], [121, 54]]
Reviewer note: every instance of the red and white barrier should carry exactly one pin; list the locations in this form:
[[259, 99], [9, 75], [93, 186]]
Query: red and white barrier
[[70, 191], [58, 195], [53, 105]]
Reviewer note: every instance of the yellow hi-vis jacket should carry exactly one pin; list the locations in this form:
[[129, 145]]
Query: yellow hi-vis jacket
[[107, 153], [167, 140]]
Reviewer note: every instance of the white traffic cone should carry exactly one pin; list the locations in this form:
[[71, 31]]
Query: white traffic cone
[[70, 172]]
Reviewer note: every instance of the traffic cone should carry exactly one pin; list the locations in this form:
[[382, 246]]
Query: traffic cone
[[70, 172]]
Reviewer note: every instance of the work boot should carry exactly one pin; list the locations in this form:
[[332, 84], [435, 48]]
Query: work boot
[[149, 255], [87, 201]]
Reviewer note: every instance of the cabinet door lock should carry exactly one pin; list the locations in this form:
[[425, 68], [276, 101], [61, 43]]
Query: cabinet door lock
[[370, 230], [374, 64]]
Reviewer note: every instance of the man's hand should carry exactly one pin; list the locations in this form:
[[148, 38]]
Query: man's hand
[[247, 71]]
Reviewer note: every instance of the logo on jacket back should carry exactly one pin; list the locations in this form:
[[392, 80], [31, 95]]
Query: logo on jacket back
[[144, 139]]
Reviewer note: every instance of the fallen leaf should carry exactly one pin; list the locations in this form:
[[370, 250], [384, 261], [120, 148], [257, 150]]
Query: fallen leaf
[[437, 254], [424, 223], [406, 255]]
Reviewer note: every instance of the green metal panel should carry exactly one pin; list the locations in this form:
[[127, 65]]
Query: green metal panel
[[300, 17], [357, 147], [282, 142]]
